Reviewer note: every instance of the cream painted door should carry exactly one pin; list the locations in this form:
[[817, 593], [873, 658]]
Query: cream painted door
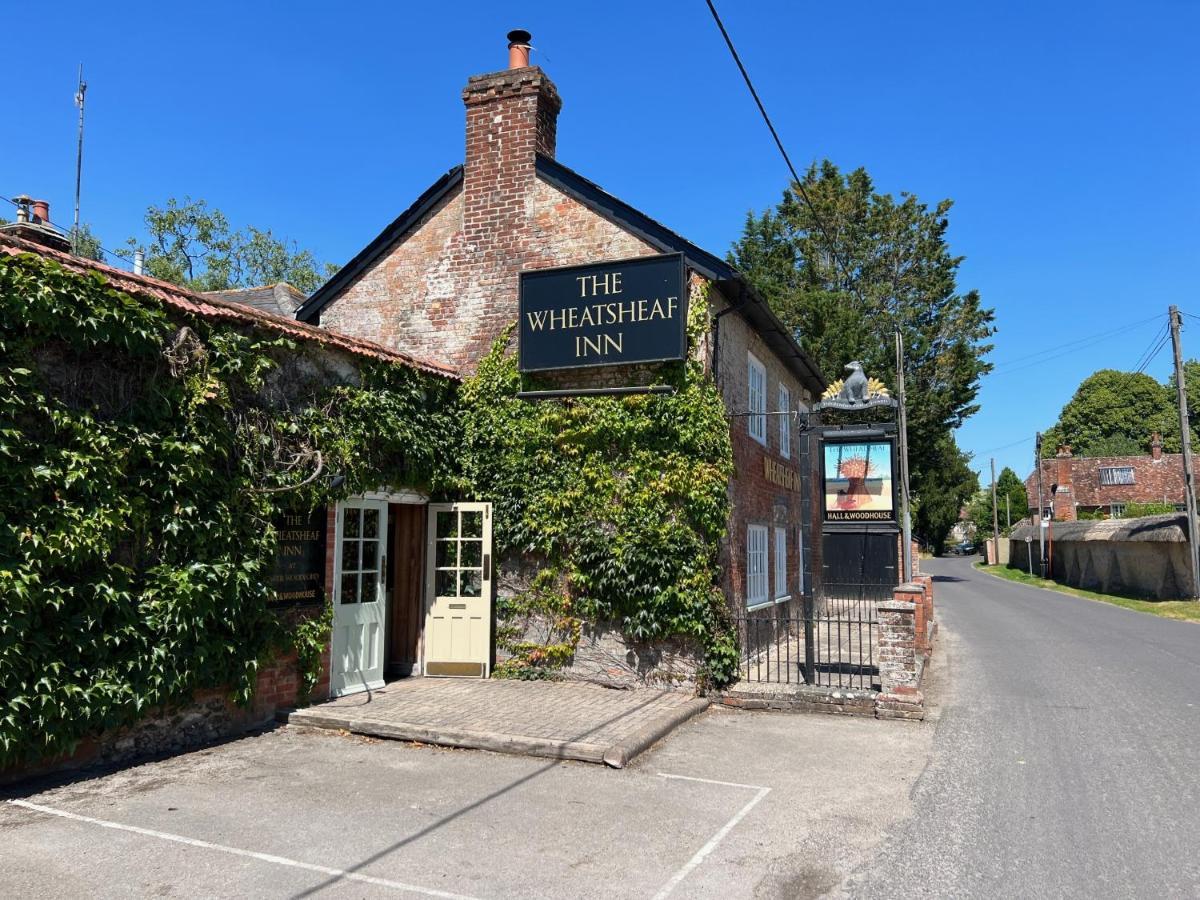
[[359, 608], [458, 620]]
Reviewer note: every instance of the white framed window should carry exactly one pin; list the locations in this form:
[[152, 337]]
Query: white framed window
[[756, 381], [781, 582], [1110, 475], [785, 422], [1116, 510], [756, 565], [799, 561]]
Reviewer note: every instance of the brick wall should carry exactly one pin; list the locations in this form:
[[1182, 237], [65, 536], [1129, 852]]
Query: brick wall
[[754, 498]]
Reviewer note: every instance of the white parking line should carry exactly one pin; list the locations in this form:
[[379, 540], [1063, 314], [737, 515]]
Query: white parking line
[[262, 857], [716, 839]]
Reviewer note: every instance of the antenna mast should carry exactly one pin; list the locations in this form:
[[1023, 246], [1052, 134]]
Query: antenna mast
[[80, 91]]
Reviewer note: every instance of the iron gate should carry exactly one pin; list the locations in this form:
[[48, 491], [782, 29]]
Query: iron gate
[[832, 642]]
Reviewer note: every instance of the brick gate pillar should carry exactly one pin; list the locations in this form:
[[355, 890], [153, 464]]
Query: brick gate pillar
[[899, 668]]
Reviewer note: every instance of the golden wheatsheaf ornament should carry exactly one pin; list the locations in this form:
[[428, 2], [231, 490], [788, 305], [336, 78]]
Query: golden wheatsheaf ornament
[[875, 388]]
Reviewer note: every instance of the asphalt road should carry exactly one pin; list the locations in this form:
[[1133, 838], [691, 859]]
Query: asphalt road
[[1066, 761]]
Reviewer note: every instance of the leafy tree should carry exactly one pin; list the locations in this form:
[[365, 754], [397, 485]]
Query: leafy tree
[[1114, 414], [193, 245], [941, 490], [1008, 488], [845, 277]]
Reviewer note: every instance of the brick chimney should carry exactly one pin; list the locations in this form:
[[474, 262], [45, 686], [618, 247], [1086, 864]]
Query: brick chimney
[[511, 117], [1156, 446], [1064, 497]]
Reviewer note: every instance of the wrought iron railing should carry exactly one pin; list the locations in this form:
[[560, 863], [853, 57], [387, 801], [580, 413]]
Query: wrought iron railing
[[831, 640]]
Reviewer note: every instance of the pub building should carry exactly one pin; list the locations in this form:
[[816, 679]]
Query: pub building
[[600, 289]]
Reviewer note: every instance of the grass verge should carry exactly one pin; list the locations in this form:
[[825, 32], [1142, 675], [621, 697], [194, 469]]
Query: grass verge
[[1185, 610]]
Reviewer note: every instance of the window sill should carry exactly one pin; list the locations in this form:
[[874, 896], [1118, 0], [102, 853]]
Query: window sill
[[765, 603]]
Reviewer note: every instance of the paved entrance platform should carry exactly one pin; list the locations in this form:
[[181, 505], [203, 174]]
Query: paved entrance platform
[[536, 718]]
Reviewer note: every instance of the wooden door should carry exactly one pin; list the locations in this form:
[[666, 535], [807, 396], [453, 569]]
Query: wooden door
[[458, 619], [359, 608]]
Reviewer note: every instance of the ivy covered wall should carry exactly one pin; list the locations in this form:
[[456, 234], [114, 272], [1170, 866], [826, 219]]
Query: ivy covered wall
[[618, 506], [140, 451]]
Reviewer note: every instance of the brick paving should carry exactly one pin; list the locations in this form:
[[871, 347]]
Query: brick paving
[[563, 721]]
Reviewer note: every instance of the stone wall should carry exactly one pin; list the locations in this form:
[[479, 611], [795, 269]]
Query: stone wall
[[1145, 557]]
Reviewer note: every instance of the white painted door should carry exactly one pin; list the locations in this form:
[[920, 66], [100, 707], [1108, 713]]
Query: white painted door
[[359, 608], [458, 619]]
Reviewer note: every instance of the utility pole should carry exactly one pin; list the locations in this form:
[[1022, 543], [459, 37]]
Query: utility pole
[[1008, 512], [80, 91], [902, 415], [1037, 462], [995, 518], [1185, 432]]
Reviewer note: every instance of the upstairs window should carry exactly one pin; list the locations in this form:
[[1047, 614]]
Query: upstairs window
[[756, 381], [1110, 475], [785, 422]]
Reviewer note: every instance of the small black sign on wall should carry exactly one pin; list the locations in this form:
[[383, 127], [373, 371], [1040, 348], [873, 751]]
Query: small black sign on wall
[[299, 576], [603, 314]]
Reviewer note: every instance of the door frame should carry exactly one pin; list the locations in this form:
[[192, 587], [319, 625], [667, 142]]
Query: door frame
[[385, 495]]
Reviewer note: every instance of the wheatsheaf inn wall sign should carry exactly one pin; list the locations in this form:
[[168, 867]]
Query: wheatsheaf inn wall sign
[[299, 576], [603, 314]]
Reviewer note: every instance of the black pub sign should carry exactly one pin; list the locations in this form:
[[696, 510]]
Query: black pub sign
[[603, 314], [299, 576]]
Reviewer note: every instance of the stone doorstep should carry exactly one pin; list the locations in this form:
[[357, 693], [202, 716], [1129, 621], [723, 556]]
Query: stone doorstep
[[616, 755]]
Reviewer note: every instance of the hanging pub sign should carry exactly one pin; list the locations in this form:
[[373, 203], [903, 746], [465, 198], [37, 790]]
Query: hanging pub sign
[[859, 482], [603, 314], [299, 575]]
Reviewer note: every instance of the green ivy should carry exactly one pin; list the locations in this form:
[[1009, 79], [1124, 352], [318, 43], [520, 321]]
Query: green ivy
[[623, 504], [136, 543]]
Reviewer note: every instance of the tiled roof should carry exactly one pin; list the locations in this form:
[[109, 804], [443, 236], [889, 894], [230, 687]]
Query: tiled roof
[[1154, 480], [214, 308]]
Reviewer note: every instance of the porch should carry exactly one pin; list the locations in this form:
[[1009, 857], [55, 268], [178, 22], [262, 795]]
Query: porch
[[558, 720]]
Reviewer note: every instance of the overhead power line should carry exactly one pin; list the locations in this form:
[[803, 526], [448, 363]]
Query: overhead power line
[[800, 189]]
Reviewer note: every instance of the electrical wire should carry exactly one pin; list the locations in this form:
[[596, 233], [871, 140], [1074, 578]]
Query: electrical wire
[[803, 193], [1010, 365]]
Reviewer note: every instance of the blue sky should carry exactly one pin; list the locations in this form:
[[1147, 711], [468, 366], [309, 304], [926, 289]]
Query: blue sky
[[1066, 133]]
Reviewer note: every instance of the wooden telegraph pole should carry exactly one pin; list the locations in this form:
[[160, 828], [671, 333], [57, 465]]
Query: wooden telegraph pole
[[1185, 431], [995, 519]]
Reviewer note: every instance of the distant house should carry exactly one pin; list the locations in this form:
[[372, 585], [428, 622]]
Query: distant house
[[1106, 484]]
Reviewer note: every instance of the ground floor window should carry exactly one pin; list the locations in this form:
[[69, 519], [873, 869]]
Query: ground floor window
[[800, 562], [756, 565], [1117, 510], [781, 581]]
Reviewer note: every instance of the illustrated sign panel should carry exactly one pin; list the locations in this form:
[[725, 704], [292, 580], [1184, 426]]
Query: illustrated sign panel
[[604, 314], [299, 576], [858, 482]]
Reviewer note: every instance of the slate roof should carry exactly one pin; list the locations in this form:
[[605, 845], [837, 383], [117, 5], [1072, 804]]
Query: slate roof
[[209, 307], [281, 299], [744, 298]]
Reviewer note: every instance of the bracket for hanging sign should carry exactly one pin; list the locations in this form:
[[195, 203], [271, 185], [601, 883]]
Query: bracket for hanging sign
[[596, 392]]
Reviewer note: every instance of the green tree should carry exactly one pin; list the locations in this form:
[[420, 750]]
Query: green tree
[[844, 277], [1114, 414], [940, 492], [1010, 488], [192, 245]]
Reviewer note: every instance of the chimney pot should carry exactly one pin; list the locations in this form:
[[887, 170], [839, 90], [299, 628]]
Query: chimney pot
[[518, 49], [41, 212]]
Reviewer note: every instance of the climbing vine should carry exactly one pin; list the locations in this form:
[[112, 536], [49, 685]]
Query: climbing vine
[[619, 504], [142, 460]]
